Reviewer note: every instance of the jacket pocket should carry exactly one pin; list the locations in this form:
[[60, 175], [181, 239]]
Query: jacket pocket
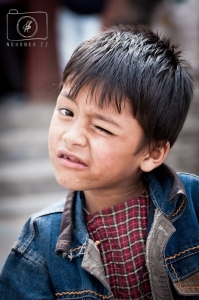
[[188, 286]]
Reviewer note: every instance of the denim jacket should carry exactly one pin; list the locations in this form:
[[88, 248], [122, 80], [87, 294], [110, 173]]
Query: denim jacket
[[55, 259]]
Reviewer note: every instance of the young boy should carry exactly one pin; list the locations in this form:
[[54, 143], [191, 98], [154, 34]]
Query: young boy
[[129, 226]]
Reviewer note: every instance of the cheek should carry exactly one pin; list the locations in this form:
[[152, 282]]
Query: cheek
[[54, 134], [51, 141], [114, 160], [105, 156]]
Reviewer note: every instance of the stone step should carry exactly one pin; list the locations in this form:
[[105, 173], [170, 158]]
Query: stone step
[[25, 115], [27, 176], [23, 144], [25, 205]]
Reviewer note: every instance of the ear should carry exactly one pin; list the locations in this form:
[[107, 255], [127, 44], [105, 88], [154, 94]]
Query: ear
[[154, 157]]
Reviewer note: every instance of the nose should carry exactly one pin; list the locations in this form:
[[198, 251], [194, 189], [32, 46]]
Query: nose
[[75, 135]]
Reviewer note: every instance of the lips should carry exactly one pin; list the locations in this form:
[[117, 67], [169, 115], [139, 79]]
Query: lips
[[70, 159]]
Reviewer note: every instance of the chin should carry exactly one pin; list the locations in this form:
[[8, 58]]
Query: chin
[[69, 183]]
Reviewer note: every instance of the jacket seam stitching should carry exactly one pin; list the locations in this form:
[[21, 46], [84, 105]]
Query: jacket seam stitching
[[73, 250], [22, 246], [182, 252], [83, 246], [81, 292], [175, 213], [182, 286], [35, 260]]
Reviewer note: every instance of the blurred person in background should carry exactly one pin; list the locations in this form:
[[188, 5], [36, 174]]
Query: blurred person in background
[[77, 20]]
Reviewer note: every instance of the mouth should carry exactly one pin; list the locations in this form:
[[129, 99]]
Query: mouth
[[70, 160]]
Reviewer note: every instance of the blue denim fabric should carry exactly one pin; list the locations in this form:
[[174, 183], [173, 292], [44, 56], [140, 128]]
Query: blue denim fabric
[[34, 271], [183, 246]]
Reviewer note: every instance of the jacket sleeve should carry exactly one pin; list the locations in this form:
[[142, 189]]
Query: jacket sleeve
[[24, 279], [25, 275]]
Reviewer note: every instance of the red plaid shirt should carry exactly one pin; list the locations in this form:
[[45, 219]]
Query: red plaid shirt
[[121, 231]]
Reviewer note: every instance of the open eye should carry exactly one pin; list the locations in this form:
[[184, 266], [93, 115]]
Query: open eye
[[103, 130], [65, 112]]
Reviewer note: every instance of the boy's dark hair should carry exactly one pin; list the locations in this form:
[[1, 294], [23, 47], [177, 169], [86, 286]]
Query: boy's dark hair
[[137, 66]]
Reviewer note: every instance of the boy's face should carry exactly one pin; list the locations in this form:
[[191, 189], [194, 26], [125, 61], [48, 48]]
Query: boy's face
[[93, 148]]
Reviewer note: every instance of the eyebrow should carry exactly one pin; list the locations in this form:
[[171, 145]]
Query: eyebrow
[[67, 95], [94, 115], [106, 119]]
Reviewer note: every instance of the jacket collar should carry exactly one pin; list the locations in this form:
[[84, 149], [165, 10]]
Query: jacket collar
[[73, 236], [166, 191]]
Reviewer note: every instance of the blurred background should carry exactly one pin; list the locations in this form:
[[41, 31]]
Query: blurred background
[[30, 71]]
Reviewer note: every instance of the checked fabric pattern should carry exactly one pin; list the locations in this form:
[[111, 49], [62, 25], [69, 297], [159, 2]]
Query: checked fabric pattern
[[121, 231]]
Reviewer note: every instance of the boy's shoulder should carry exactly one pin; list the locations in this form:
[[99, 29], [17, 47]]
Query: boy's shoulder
[[54, 208], [44, 225], [34, 249], [191, 184], [188, 177], [190, 181]]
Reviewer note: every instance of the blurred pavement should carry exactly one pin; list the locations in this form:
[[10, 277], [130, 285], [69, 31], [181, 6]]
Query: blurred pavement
[[27, 181]]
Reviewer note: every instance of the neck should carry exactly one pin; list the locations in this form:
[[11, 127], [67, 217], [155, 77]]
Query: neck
[[96, 200]]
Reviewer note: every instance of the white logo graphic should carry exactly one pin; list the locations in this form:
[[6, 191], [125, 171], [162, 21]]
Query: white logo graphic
[[27, 26]]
